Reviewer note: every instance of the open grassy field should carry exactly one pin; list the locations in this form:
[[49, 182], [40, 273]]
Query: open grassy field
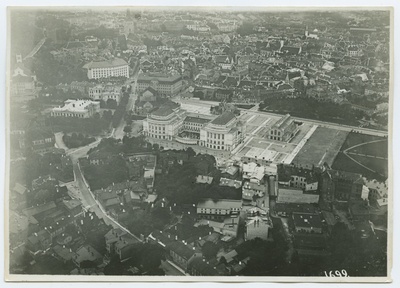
[[357, 138], [344, 163], [369, 153], [379, 148], [323, 146]]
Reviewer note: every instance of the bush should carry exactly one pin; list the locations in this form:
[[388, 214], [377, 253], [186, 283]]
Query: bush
[[77, 140]]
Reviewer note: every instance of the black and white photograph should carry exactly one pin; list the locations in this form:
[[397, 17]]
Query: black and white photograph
[[192, 143]]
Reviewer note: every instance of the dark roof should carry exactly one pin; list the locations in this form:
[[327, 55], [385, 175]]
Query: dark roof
[[196, 119], [307, 220], [316, 241], [295, 207], [203, 267], [224, 91], [163, 111], [105, 64], [161, 79], [219, 204], [343, 175], [283, 122], [181, 249], [286, 171], [224, 118], [151, 89], [290, 50]]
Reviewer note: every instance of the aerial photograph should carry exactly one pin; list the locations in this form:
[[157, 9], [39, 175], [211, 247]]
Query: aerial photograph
[[206, 141]]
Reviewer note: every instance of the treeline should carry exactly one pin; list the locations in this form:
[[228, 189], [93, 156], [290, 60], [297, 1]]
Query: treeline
[[314, 109], [120, 111], [92, 126], [77, 140], [179, 185], [49, 71]]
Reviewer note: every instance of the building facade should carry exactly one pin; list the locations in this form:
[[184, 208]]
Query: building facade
[[77, 108], [223, 133], [341, 186], [105, 69], [164, 85], [170, 122], [105, 92], [218, 210], [283, 130], [164, 123], [22, 81]]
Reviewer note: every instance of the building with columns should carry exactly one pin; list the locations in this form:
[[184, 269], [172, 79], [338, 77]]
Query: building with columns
[[283, 130], [165, 122], [170, 122], [222, 133]]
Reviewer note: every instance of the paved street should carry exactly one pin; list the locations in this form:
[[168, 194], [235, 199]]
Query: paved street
[[85, 195]]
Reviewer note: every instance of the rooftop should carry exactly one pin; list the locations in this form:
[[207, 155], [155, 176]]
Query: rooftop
[[343, 175], [204, 179], [165, 110], [87, 252], [116, 62], [164, 79], [75, 105], [307, 220], [286, 171], [71, 204], [293, 195], [284, 122], [182, 249], [223, 119], [203, 267], [196, 120], [219, 204]]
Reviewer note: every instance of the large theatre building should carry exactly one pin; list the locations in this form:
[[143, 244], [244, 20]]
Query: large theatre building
[[164, 123], [223, 133], [170, 122]]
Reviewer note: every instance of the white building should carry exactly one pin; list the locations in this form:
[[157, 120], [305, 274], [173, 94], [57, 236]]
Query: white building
[[164, 123], [105, 92], [77, 108], [223, 133], [198, 27], [105, 69], [227, 27], [283, 130], [218, 210]]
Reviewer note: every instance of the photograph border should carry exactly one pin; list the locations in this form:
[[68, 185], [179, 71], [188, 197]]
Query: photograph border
[[60, 278]]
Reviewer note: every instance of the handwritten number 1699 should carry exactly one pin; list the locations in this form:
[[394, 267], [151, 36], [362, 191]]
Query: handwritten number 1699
[[336, 273]]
